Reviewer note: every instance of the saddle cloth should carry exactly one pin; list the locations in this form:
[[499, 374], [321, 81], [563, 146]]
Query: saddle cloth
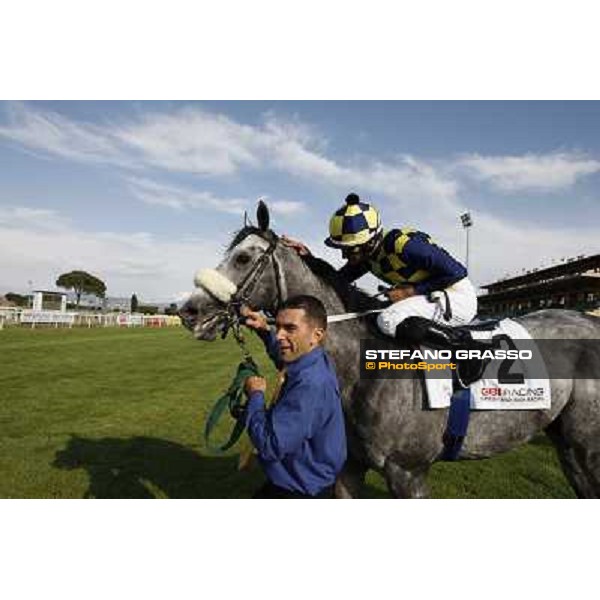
[[487, 393]]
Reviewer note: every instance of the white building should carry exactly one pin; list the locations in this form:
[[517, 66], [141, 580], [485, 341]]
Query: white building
[[46, 300]]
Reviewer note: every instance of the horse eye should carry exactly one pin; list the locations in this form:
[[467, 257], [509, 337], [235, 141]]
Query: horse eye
[[242, 259]]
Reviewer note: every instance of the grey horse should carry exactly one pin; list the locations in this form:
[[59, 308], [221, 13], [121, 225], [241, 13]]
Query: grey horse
[[389, 427]]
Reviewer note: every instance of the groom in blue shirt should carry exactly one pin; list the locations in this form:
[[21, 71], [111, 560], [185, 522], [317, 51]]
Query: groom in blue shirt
[[300, 440]]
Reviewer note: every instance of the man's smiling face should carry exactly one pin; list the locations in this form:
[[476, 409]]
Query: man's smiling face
[[297, 335]]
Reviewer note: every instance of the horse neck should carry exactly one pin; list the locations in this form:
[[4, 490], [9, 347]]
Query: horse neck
[[343, 338]]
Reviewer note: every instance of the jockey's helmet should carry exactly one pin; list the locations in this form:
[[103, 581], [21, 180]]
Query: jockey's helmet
[[354, 224]]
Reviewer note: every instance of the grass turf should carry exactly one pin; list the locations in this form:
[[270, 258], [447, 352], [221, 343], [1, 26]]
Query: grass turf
[[119, 413]]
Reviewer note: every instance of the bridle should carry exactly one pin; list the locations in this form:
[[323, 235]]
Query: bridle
[[247, 285], [229, 317]]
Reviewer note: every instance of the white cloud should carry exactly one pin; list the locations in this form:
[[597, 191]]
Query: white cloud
[[154, 268], [300, 151], [286, 207], [57, 135], [38, 245], [544, 172], [408, 179], [297, 149], [178, 198], [182, 199], [499, 247], [192, 140], [34, 218]]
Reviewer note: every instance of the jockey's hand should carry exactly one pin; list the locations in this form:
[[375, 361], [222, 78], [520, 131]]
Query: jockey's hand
[[254, 320], [401, 293], [299, 247], [255, 384]]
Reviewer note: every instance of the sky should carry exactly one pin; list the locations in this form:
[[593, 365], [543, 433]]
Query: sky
[[142, 194]]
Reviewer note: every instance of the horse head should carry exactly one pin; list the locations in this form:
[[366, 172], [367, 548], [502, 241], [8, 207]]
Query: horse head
[[251, 273]]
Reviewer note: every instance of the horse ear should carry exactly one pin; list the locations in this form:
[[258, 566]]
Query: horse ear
[[262, 216]]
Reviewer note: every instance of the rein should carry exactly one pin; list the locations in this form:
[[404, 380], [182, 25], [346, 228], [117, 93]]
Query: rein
[[232, 399]]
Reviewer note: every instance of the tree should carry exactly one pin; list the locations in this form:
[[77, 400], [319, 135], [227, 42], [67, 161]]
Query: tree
[[18, 299], [134, 303], [171, 309], [81, 282], [148, 309]]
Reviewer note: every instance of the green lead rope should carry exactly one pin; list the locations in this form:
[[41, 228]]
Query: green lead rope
[[231, 400]]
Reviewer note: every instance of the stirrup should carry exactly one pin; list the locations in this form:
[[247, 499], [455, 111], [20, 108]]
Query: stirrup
[[421, 331]]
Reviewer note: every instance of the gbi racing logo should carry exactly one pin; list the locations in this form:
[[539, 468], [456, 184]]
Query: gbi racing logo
[[507, 394], [491, 391]]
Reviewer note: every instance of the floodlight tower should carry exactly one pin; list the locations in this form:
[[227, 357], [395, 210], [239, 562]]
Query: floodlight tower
[[467, 223]]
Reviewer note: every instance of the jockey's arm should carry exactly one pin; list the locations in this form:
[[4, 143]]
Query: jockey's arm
[[298, 246], [353, 272], [349, 272], [444, 269]]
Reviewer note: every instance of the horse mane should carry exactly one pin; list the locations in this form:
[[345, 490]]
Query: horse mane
[[351, 296]]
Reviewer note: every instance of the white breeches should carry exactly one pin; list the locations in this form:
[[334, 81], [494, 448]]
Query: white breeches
[[463, 302]]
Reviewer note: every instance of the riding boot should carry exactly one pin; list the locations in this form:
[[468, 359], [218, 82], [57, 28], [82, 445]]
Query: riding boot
[[421, 331]]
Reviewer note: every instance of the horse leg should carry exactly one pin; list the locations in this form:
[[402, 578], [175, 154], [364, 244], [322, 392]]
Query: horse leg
[[568, 461], [350, 481], [576, 437], [406, 483]]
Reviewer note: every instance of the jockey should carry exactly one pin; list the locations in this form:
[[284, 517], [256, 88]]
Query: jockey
[[413, 264]]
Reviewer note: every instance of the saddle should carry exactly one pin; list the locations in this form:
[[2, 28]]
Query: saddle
[[480, 325], [419, 331]]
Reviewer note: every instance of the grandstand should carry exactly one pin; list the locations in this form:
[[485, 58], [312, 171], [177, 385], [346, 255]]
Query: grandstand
[[574, 283]]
